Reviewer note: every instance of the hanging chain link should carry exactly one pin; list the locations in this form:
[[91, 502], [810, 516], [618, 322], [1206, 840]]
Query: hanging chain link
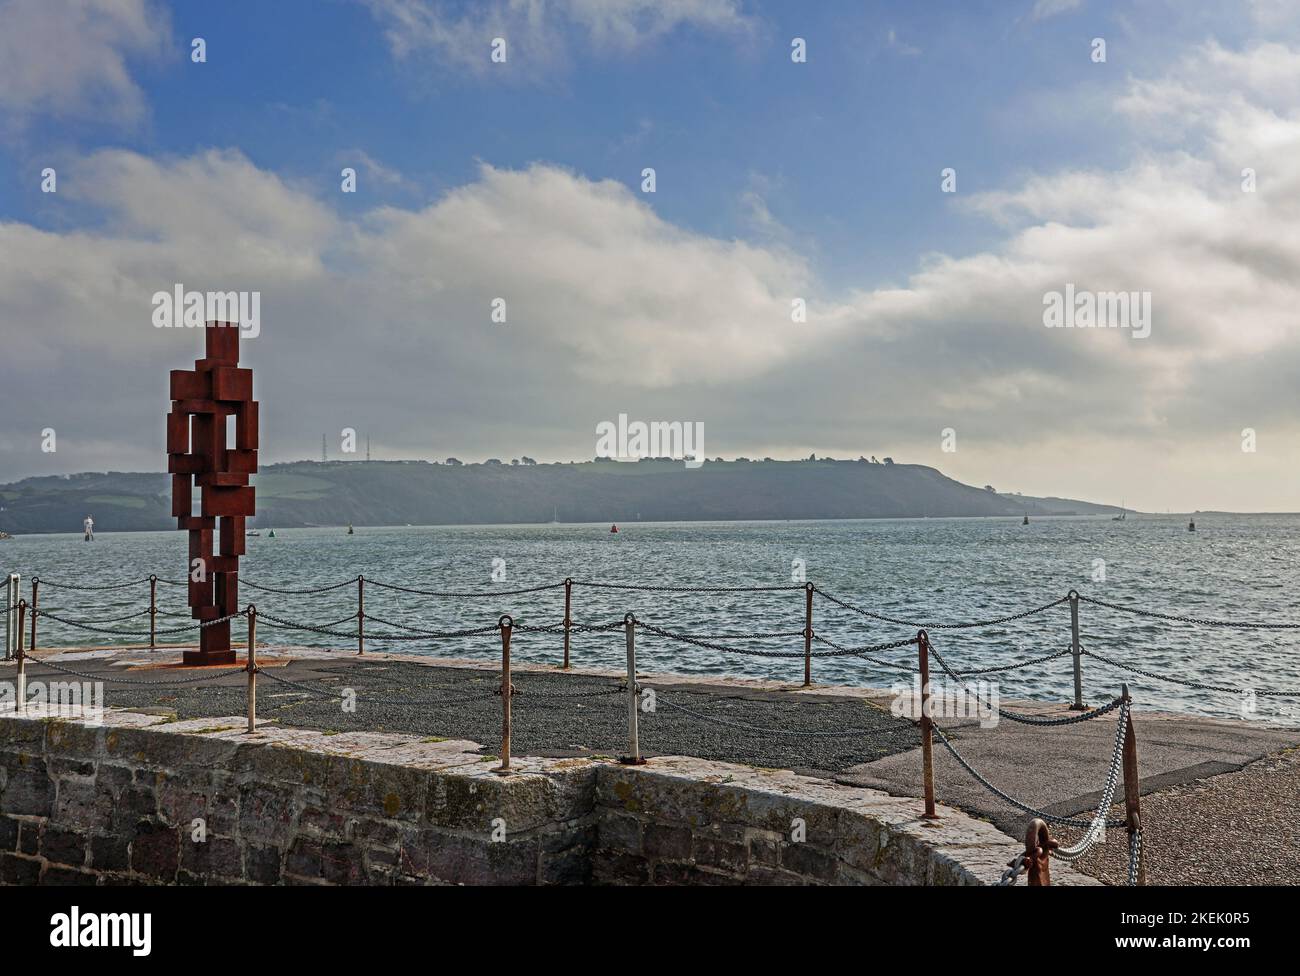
[[1134, 857], [114, 679], [86, 586], [654, 588], [467, 594], [1018, 804], [922, 626], [1097, 830], [1184, 619], [197, 625], [1087, 716], [351, 635], [752, 652], [1197, 685], [744, 726], [1016, 869], [335, 696]]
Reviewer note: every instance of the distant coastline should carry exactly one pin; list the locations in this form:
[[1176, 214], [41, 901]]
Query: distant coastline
[[373, 493]]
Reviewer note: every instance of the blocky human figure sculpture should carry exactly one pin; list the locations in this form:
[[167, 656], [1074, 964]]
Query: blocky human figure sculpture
[[199, 453]]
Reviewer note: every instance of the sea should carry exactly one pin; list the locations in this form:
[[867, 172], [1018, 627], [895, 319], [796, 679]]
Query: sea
[[1239, 569]]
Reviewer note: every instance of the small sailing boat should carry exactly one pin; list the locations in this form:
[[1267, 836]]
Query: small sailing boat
[[1123, 514], [1026, 521], [350, 532], [271, 535], [555, 515], [1191, 526]]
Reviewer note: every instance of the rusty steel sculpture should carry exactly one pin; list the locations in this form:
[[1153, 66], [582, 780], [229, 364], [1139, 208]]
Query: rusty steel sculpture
[[199, 453]]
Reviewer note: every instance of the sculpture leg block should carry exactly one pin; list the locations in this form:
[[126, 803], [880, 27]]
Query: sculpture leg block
[[214, 646]]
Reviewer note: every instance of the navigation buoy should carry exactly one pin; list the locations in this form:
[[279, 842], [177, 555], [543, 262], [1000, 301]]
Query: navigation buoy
[[613, 528]]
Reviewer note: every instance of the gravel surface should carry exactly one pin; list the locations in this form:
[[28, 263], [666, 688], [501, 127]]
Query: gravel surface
[[1236, 828], [461, 703]]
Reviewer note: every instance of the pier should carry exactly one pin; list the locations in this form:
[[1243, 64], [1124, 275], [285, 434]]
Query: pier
[[1013, 764]]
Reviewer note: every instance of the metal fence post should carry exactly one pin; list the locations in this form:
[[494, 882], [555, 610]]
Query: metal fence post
[[361, 615], [568, 596], [1132, 786], [633, 757], [21, 704], [927, 744], [506, 622], [153, 608], [11, 618], [1038, 854], [807, 634], [1078, 705], [252, 667], [35, 585]]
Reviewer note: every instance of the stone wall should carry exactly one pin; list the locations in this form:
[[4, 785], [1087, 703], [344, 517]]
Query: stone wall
[[121, 803]]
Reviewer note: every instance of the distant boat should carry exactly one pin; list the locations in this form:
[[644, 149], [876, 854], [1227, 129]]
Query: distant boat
[[1191, 526], [1123, 514], [5, 535], [555, 516], [253, 534], [271, 535], [1026, 521], [613, 528], [350, 532]]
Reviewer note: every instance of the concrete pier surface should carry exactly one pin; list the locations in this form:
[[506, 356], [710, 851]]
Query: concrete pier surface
[[1214, 790]]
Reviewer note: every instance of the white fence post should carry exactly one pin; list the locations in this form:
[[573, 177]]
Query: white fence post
[[11, 618]]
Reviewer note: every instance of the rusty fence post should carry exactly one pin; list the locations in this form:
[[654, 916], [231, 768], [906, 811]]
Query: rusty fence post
[[568, 597], [252, 667], [506, 622], [1132, 786], [1038, 854], [20, 704], [633, 757], [927, 744], [361, 615], [31, 644], [1078, 705], [807, 634], [153, 610]]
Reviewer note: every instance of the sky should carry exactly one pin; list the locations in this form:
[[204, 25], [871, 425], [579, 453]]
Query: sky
[[1170, 167]]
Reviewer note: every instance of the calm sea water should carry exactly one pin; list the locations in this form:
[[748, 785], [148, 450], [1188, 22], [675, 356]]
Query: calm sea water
[[941, 570]]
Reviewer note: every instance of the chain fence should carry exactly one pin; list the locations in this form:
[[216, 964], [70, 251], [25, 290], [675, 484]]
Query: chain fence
[[727, 643]]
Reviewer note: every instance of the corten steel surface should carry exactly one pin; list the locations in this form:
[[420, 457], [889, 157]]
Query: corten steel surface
[[198, 454]]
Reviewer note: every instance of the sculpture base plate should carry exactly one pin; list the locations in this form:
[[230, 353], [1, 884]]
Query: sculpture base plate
[[199, 658]]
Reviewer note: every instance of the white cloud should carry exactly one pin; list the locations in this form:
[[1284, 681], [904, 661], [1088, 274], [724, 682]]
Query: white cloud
[[539, 33], [386, 316], [1043, 9], [68, 58], [373, 169], [906, 50]]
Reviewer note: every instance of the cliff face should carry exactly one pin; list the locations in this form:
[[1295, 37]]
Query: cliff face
[[416, 493]]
